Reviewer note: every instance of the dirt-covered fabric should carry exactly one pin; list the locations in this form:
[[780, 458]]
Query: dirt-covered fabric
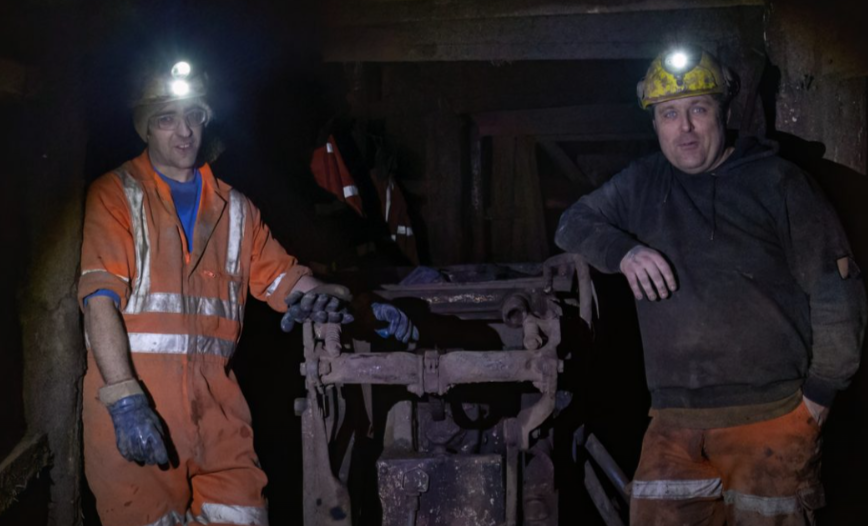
[[763, 306]]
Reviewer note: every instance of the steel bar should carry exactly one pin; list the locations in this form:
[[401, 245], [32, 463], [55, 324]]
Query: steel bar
[[598, 496], [432, 372], [608, 465], [469, 367], [326, 500], [397, 368]]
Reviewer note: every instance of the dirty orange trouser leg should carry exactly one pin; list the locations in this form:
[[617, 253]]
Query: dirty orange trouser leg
[[214, 478], [767, 473]]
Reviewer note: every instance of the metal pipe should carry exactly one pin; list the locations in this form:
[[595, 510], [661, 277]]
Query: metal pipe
[[396, 368], [598, 496], [453, 368], [472, 367], [608, 465]]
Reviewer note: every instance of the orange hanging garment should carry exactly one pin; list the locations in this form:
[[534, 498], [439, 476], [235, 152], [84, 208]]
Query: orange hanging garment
[[332, 174]]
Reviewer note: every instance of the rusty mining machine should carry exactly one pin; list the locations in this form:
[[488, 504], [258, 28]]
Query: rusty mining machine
[[449, 436]]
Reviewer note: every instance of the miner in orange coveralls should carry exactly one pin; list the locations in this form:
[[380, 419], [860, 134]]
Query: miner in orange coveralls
[[168, 257]]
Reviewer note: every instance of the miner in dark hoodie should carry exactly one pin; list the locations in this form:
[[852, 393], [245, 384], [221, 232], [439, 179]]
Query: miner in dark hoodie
[[751, 307]]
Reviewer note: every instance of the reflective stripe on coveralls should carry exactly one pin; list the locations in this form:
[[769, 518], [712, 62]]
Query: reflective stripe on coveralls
[[142, 284], [143, 301], [179, 344], [677, 489], [712, 488], [274, 284], [767, 506], [170, 519], [237, 217], [226, 514]]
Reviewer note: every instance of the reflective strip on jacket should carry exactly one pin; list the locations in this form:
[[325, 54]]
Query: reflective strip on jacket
[[397, 215], [175, 302]]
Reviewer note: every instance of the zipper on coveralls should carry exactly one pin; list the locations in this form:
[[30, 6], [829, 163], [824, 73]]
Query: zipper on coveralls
[[184, 244]]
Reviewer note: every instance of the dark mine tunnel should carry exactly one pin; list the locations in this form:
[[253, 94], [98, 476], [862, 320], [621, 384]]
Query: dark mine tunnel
[[422, 154]]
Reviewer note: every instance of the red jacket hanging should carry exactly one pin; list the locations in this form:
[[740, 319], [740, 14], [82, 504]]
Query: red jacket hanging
[[332, 174]]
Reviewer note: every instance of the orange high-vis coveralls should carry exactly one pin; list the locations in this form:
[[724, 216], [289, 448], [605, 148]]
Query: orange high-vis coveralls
[[183, 314]]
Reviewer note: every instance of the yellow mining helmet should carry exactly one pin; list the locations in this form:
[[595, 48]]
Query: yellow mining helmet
[[685, 72], [180, 82]]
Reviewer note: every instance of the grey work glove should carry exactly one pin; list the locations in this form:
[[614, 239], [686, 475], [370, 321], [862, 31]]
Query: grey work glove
[[399, 326], [322, 304]]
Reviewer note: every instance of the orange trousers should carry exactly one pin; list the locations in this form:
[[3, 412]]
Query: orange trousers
[[766, 473], [214, 477]]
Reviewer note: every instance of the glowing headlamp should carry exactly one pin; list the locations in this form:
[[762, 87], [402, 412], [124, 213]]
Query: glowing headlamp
[[680, 61], [181, 70], [179, 84], [180, 88]]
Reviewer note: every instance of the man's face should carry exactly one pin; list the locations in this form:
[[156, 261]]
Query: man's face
[[691, 133], [174, 137]]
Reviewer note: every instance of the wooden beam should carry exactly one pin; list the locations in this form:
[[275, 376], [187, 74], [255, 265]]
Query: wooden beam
[[590, 121], [22, 465], [342, 13], [610, 36], [445, 182], [604, 137], [517, 218], [567, 167]]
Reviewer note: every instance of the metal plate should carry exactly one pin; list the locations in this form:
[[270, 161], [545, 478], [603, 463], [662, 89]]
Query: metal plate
[[459, 490]]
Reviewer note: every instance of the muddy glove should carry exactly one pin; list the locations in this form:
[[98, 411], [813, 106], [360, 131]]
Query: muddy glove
[[138, 431], [400, 325], [322, 304]]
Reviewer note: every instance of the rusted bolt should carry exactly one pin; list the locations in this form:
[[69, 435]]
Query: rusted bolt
[[325, 368]]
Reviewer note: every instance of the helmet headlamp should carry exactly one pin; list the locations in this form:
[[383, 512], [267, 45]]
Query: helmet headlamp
[[180, 87], [167, 85], [677, 61], [685, 71], [680, 61], [181, 70]]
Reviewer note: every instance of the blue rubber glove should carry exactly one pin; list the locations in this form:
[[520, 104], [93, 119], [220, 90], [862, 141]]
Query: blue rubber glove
[[138, 431], [400, 325], [323, 304]]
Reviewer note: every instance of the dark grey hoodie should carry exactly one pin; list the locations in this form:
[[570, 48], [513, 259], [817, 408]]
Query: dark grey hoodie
[[761, 308]]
